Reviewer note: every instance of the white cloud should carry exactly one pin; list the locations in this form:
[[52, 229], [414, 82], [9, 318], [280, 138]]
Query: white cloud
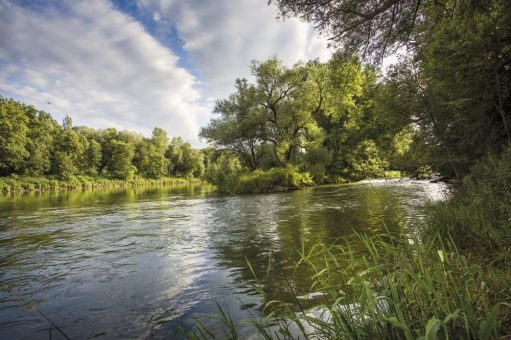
[[98, 65], [223, 36]]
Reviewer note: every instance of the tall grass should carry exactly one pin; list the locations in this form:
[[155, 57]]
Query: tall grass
[[479, 216], [18, 184], [399, 289], [392, 288]]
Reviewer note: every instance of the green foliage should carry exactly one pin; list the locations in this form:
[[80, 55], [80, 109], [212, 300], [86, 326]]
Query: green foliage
[[478, 216], [222, 168], [239, 127], [13, 135], [33, 145], [64, 165], [156, 164], [369, 28], [321, 117], [120, 164], [68, 151], [15, 183], [392, 289], [92, 157], [42, 129], [365, 162], [316, 161], [184, 160], [451, 88], [259, 181], [157, 167]]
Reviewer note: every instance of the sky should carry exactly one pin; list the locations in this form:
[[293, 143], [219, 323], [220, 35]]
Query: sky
[[138, 64]]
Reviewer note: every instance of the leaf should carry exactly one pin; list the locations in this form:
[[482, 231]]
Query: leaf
[[490, 323], [432, 328]]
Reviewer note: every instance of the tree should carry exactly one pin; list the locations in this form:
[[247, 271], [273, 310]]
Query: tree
[[150, 154], [370, 28], [453, 87], [63, 165], [13, 136], [277, 110], [119, 165], [184, 160], [92, 157], [158, 163], [223, 166], [41, 135], [68, 151], [287, 120], [322, 117], [239, 127]]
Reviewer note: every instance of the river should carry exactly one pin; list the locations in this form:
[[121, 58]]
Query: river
[[143, 262]]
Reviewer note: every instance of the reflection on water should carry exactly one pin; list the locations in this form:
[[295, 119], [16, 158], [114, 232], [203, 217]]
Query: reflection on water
[[137, 263]]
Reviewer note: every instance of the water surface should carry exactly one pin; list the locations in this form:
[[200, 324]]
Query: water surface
[[140, 263]]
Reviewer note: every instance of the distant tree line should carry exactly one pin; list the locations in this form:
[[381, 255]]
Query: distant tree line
[[32, 143], [444, 106]]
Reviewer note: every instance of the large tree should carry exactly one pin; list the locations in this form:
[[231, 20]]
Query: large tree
[[240, 126], [370, 28]]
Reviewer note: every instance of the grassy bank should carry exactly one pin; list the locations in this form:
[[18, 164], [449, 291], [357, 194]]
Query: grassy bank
[[259, 181], [20, 184], [397, 290]]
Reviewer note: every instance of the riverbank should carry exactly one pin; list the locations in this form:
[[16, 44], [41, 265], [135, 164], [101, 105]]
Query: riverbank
[[279, 180], [27, 184], [265, 181], [445, 276]]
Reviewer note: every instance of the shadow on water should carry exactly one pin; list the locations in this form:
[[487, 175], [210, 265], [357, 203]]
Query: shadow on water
[[141, 262]]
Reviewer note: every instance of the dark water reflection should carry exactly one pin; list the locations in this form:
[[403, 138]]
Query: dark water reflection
[[139, 263]]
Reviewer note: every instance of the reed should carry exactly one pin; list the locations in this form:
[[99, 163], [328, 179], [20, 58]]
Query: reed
[[23, 184], [392, 288]]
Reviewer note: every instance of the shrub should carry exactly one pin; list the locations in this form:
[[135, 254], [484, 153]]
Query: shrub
[[478, 216], [259, 181]]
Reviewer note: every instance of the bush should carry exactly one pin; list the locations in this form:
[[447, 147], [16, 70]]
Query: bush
[[478, 216], [259, 181]]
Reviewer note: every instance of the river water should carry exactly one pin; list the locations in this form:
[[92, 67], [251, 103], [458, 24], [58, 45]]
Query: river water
[[143, 263]]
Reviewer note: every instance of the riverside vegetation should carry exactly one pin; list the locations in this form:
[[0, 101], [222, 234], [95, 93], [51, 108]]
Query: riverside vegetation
[[443, 108], [37, 153], [447, 276]]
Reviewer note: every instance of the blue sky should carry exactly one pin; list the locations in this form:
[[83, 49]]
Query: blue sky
[[137, 64]]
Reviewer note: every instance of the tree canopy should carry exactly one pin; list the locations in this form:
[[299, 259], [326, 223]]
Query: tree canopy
[[32, 143]]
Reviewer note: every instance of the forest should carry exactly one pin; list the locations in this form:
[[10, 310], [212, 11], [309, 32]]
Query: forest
[[35, 146]]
